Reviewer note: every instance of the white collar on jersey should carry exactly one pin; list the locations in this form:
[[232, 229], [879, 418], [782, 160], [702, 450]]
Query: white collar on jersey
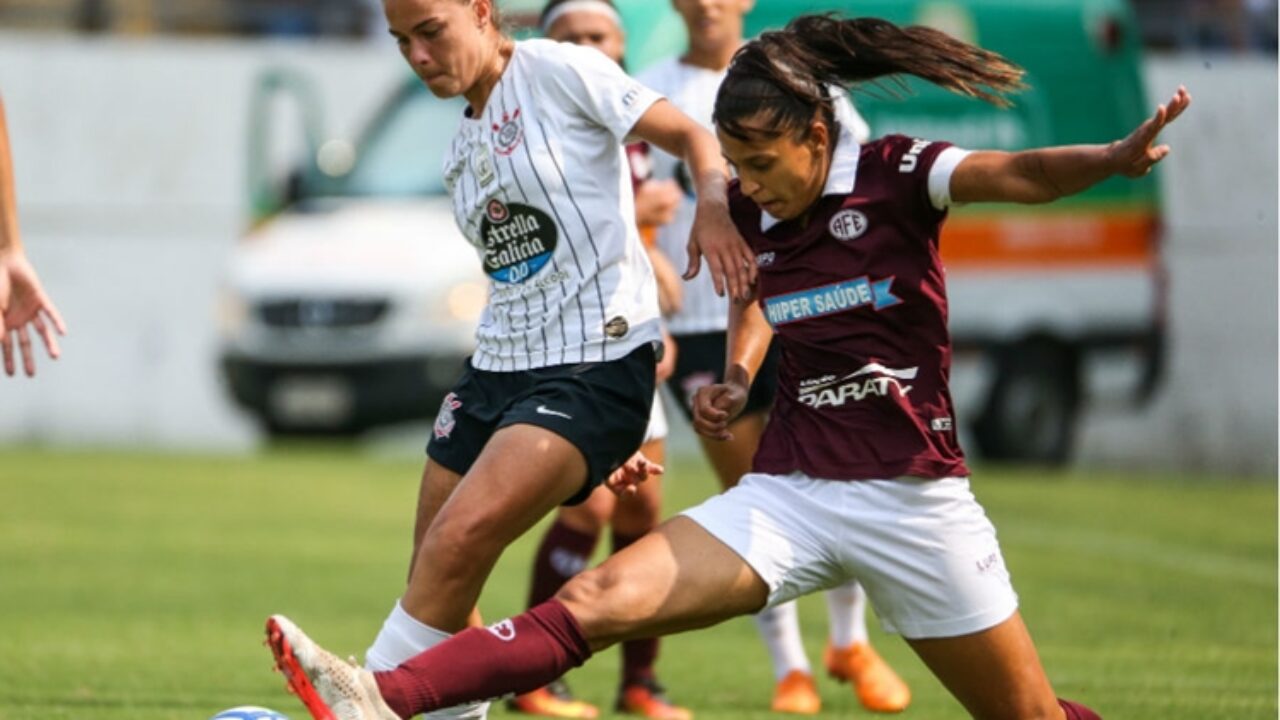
[[843, 174]]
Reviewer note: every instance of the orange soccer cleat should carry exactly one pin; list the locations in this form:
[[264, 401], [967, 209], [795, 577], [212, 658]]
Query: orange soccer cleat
[[648, 699], [554, 700], [878, 687], [796, 694]]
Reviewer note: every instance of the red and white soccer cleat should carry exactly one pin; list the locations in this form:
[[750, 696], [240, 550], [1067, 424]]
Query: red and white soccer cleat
[[330, 688]]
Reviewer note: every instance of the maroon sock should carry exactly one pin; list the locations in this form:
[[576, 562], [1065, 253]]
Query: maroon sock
[[1076, 711], [515, 655], [638, 656], [564, 552]]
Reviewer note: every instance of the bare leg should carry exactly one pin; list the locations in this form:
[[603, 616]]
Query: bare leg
[[677, 578], [523, 473], [996, 674]]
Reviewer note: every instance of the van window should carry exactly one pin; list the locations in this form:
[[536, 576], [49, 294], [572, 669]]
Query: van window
[[414, 125]]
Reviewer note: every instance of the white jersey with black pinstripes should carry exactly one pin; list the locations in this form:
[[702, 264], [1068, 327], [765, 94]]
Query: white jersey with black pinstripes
[[541, 188]]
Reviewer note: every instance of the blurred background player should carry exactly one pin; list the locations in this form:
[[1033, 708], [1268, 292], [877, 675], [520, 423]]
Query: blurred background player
[[690, 82], [23, 302], [571, 539]]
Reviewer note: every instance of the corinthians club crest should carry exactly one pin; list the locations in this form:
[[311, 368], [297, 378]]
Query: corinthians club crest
[[445, 421], [508, 134]]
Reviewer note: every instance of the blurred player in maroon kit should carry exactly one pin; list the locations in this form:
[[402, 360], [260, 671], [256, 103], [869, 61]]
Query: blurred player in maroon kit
[[859, 473]]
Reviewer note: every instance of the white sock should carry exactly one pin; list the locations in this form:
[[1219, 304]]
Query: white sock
[[402, 636], [847, 615], [780, 629]]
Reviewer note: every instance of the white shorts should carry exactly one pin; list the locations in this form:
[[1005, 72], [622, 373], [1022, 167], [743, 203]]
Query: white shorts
[[657, 429], [923, 549]]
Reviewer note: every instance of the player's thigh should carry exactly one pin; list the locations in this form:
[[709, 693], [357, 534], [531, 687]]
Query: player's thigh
[[996, 674], [438, 483], [677, 578], [522, 474]]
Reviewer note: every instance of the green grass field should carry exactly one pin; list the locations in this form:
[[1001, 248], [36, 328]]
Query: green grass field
[[135, 586]]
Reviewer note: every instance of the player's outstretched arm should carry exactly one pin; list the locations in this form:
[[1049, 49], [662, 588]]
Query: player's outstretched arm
[[1046, 174], [23, 301], [714, 237]]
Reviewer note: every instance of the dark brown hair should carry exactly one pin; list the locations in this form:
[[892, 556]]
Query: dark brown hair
[[780, 79]]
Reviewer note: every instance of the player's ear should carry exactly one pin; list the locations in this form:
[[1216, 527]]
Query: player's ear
[[819, 135]]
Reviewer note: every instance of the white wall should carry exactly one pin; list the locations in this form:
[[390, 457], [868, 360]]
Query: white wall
[[131, 172]]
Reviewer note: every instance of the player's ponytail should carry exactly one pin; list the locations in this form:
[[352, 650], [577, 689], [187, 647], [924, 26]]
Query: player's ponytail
[[783, 78]]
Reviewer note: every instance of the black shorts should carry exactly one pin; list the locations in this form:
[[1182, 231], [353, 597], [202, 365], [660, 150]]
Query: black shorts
[[601, 408], [700, 361]]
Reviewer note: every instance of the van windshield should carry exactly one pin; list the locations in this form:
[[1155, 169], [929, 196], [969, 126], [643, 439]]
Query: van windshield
[[401, 153]]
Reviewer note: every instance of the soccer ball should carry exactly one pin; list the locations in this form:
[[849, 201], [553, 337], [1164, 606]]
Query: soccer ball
[[248, 712]]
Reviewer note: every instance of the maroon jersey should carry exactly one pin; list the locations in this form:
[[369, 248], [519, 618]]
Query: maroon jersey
[[857, 298]]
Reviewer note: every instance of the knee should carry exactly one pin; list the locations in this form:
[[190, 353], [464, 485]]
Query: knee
[[458, 542], [605, 603]]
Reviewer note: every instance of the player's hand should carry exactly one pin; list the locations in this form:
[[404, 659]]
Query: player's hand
[[1134, 156], [625, 481], [729, 259], [657, 202], [24, 305], [715, 406]]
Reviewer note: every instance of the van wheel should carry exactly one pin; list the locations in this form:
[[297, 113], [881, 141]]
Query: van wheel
[[1030, 415]]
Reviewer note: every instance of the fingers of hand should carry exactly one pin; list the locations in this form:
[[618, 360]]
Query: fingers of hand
[[6, 345], [24, 344], [46, 334], [695, 262]]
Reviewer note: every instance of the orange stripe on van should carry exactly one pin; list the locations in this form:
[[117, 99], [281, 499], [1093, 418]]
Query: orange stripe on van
[[1052, 239]]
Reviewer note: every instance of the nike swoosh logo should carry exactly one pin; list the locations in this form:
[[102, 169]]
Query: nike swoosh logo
[[544, 410]]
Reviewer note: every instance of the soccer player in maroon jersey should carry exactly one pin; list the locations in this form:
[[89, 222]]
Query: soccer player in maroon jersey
[[859, 473]]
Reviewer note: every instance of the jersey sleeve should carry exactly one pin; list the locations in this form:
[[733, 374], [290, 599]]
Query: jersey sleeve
[[923, 169], [583, 81]]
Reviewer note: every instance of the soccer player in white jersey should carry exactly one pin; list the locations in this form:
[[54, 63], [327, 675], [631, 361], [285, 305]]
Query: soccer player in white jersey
[[690, 82], [571, 539], [557, 395]]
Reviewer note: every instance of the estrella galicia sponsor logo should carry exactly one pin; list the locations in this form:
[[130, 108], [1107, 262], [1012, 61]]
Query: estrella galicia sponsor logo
[[848, 224], [830, 299], [519, 240], [445, 421], [508, 134], [873, 380], [504, 630]]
